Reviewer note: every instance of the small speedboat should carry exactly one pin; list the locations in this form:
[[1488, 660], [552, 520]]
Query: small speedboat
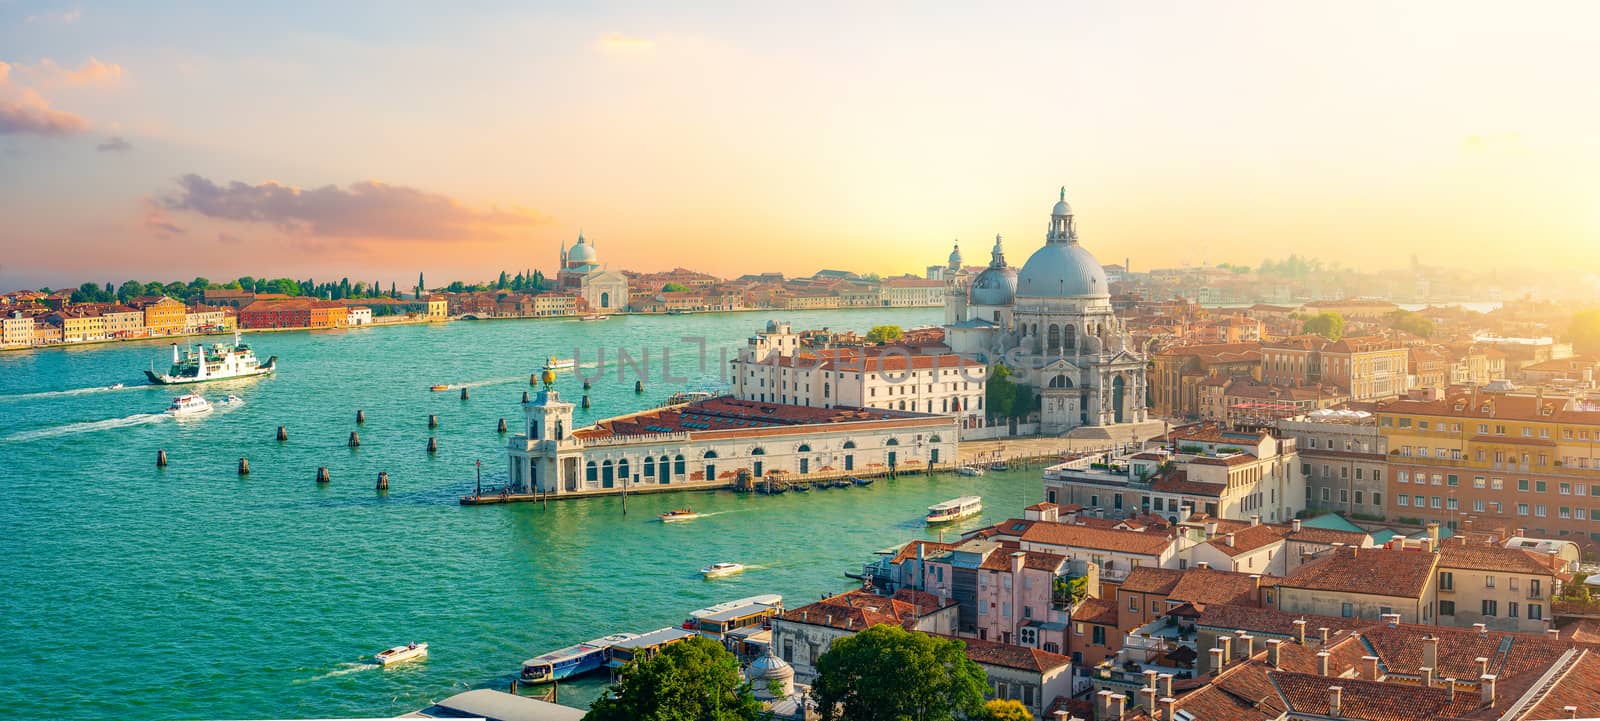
[[189, 404], [398, 654], [969, 471], [998, 466], [439, 388], [594, 316], [232, 400], [114, 387], [560, 364], [678, 514], [720, 570], [802, 488]]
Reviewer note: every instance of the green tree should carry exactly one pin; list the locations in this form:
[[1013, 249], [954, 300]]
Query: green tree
[[1409, 321], [420, 286], [129, 290], [502, 283], [1006, 709], [674, 288], [1000, 393], [1327, 325], [692, 680], [887, 673], [881, 334], [1584, 331]]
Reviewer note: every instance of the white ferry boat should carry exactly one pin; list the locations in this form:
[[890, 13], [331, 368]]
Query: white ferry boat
[[560, 364], [399, 654], [955, 509], [765, 599], [574, 660], [682, 397], [719, 570], [218, 362], [190, 404]]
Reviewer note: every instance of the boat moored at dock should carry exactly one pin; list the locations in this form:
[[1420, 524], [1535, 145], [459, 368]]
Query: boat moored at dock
[[969, 471], [715, 622], [645, 646], [955, 509], [574, 660], [399, 654], [218, 362]]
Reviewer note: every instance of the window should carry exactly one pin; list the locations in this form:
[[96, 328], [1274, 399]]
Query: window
[[1418, 501], [1452, 480], [1539, 486], [1496, 483], [1478, 482], [1447, 608], [1511, 582], [1522, 509], [1563, 512], [1477, 506], [1133, 603], [1522, 485], [1433, 502], [1565, 489], [1402, 476], [1490, 607], [1535, 612], [1450, 504], [1581, 514], [1377, 499], [1099, 638], [1488, 581], [1538, 510], [1447, 581], [1403, 500], [1358, 498], [1511, 610], [1346, 610]]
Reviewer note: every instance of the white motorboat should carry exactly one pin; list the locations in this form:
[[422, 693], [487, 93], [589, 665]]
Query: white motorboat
[[969, 471], [114, 387], [955, 509], [232, 400], [400, 654], [560, 364], [189, 404], [720, 570], [678, 514]]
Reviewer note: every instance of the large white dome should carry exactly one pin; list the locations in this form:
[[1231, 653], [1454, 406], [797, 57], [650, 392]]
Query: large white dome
[[1062, 270], [582, 252]]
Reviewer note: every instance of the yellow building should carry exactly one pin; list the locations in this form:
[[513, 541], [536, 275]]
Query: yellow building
[[162, 315], [438, 307], [1519, 461], [78, 324], [122, 321]]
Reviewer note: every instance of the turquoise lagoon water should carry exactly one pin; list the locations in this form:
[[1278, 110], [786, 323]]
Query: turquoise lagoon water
[[188, 592]]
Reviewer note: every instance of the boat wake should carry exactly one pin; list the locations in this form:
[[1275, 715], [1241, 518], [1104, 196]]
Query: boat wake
[[137, 419], [489, 382], [68, 392], [344, 669]]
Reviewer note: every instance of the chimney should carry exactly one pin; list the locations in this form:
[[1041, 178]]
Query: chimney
[[1184, 513], [1164, 684], [1450, 689], [1169, 708], [1486, 684], [1322, 662], [1016, 561], [1482, 629], [1119, 706], [1430, 651], [1273, 651], [1255, 519], [1300, 631], [1369, 668], [1426, 674], [1571, 711], [1147, 696], [1433, 535], [1226, 644], [1247, 646], [1483, 665], [1216, 660], [1335, 694], [1211, 528], [1228, 539], [1295, 525], [1202, 564], [1323, 632], [1150, 679], [1102, 705], [1552, 633]]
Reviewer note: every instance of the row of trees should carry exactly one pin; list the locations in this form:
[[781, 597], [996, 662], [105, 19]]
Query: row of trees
[[1006, 398], [884, 673], [193, 291]]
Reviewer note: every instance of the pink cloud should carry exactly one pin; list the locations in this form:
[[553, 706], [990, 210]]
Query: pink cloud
[[26, 112]]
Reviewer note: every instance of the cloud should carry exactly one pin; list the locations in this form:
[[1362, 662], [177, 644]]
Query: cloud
[[159, 223], [229, 239], [24, 111], [65, 18], [620, 44], [114, 144], [368, 209], [48, 73]]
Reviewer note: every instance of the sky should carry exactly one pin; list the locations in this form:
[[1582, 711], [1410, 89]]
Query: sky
[[375, 141]]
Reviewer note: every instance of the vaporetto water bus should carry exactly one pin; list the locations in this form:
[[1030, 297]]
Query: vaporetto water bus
[[218, 362], [574, 660]]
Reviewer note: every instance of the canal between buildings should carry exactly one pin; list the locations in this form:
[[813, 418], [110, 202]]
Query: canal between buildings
[[190, 592]]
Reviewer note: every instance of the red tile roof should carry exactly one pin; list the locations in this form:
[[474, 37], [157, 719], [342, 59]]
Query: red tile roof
[[1012, 656], [1375, 571], [1068, 535], [859, 610], [1099, 611]]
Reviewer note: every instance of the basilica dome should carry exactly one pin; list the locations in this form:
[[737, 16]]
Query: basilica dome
[[582, 252], [1062, 270]]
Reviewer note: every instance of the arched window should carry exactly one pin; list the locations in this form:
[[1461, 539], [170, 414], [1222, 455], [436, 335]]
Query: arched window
[[710, 454], [892, 442], [1060, 380], [1072, 337], [804, 448], [934, 438], [849, 444], [622, 469], [902, 405], [677, 465], [593, 473], [649, 466], [1054, 341], [605, 300], [757, 451]]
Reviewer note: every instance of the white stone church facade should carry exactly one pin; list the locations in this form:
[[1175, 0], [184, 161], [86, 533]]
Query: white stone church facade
[[1052, 324]]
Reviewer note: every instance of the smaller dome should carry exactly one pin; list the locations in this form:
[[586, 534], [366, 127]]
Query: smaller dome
[[955, 257], [994, 286], [1061, 207], [769, 667]]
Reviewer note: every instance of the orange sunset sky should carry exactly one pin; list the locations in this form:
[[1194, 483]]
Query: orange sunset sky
[[377, 141]]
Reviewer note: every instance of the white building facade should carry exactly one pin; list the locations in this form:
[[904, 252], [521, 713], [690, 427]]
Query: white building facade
[[1052, 323]]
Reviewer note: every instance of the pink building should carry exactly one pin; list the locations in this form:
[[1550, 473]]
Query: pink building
[[1003, 593]]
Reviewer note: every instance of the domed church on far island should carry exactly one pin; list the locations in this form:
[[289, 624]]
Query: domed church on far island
[[1052, 324]]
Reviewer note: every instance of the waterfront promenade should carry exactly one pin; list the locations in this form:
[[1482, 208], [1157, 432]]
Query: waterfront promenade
[[187, 569]]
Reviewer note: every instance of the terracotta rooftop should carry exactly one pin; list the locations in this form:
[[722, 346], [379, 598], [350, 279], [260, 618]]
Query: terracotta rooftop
[[1012, 656], [1247, 539], [726, 413], [1096, 610], [1067, 535], [1178, 482], [859, 610], [1492, 557], [1375, 571]]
